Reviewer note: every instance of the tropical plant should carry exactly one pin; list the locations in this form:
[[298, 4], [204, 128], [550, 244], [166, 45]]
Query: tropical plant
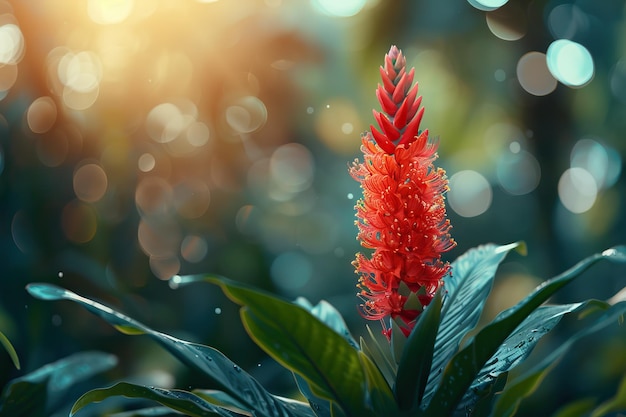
[[436, 362]]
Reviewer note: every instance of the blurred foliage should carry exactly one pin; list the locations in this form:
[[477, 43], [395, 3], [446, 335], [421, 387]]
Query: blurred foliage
[[141, 139]]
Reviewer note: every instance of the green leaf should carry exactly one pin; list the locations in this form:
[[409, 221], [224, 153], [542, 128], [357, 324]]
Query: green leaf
[[414, 367], [377, 387], [484, 404], [38, 393], [224, 400], [465, 365], [10, 350], [326, 313], [148, 412], [324, 359], [527, 383], [321, 406], [521, 342], [220, 370], [467, 290], [382, 355], [178, 400], [220, 398], [303, 344]]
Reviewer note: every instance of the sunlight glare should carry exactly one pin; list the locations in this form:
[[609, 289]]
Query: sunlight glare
[[107, 12]]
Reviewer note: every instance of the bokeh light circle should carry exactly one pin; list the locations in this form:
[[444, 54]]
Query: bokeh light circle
[[153, 196], [567, 20], [487, 5], [518, 172], [41, 115], [602, 162], [291, 271], [508, 23], [336, 124], [164, 267], [191, 198], [194, 248], [146, 162], [165, 122], [11, 44], [570, 63], [246, 114], [470, 193], [339, 8], [577, 190], [90, 182], [292, 168], [533, 74]]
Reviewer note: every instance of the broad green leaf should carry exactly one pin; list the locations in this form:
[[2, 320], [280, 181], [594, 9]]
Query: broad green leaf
[[320, 406], [304, 345], [38, 393], [225, 400], [527, 383], [381, 355], [466, 293], [148, 412], [397, 342], [465, 365], [179, 400], [380, 394], [521, 342], [220, 398], [313, 351], [414, 366], [328, 315], [221, 371], [10, 350], [484, 404]]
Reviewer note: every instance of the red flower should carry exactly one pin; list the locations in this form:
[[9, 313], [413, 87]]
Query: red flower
[[402, 215]]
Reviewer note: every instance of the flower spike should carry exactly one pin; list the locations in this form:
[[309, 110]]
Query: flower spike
[[398, 101], [402, 215]]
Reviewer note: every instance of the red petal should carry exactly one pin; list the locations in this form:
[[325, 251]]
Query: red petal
[[404, 111], [382, 141], [412, 128], [410, 76], [389, 69], [386, 102], [386, 126], [387, 82], [415, 104], [407, 109], [401, 89]]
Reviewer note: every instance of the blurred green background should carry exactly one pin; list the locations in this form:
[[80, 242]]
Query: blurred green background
[[140, 139]]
